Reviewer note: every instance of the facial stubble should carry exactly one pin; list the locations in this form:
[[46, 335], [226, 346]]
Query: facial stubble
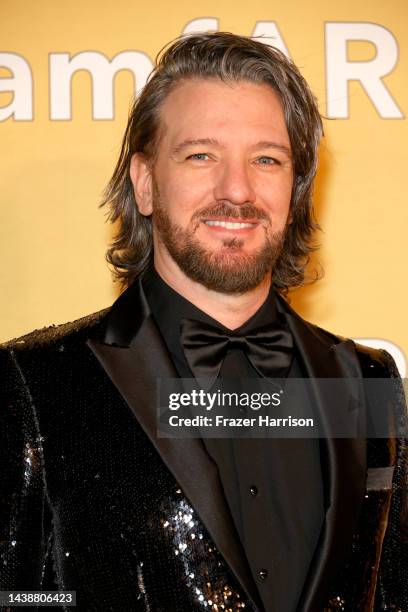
[[229, 270]]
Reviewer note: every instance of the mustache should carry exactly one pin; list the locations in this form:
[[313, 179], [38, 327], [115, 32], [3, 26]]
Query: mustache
[[226, 209]]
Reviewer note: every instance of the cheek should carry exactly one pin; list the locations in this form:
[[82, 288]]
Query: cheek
[[184, 198], [278, 198], [278, 209]]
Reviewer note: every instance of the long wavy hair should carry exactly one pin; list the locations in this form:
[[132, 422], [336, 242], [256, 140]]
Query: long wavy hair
[[230, 58]]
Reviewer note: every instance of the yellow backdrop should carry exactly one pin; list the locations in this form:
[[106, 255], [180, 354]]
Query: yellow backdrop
[[61, 127]]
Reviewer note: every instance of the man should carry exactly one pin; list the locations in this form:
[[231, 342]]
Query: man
[[212, 192]]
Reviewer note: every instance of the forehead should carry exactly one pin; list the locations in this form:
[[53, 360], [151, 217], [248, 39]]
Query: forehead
[[196, 107]]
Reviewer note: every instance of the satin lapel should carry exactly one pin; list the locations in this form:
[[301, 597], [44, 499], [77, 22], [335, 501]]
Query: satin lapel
[[343, 459], [134, 369]]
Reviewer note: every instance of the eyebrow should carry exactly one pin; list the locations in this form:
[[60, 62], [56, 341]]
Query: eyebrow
[[263, 144], [267, 144], [194, 142]]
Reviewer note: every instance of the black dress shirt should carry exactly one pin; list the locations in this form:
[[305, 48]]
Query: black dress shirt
[[273, 487]]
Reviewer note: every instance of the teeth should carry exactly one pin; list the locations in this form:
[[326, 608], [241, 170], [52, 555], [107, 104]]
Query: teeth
[[228, 224]]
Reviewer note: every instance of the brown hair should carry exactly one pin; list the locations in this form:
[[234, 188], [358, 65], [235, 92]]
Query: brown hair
[[227, 57]]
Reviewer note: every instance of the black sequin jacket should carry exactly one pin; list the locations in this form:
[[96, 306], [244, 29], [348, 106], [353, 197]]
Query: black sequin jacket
[[92, 501]]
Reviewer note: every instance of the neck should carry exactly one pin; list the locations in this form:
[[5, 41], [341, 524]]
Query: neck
[[232, 311]]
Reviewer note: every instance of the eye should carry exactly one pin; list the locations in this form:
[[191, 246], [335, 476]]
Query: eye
[[198, 156], [267, 161]]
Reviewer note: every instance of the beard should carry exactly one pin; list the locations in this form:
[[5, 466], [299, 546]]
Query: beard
[[229, 270]]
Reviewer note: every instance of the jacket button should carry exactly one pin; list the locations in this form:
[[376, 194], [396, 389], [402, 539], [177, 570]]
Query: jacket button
[[253, 490], [263, 574]]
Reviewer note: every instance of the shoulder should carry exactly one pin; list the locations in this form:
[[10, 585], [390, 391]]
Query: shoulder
[[44, 357], [374, 363], [47, 352], [52, 335]]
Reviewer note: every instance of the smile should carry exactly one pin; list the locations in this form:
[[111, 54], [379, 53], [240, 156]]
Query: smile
[[229, 224]]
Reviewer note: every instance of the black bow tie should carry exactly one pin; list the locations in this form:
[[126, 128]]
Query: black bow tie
[[269, 348]]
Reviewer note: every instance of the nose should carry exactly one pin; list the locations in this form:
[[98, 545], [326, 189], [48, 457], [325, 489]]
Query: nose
[[233, 183]]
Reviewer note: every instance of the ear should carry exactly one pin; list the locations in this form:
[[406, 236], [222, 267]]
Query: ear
[[141, 177]]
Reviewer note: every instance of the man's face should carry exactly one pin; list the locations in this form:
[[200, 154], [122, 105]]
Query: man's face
[[220, 186]]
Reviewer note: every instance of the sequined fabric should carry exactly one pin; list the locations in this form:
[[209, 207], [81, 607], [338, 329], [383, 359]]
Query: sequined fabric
[[88, 504], [375, 577]]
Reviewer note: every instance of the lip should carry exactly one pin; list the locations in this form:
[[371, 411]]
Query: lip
[[228, 230]]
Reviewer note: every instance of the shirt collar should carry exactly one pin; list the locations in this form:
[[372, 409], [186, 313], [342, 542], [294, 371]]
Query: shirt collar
[[169, 308]]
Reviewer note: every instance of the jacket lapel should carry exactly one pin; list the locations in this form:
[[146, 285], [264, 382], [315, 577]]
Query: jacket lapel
[[132, 353], [130, 349], [343, 459]]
